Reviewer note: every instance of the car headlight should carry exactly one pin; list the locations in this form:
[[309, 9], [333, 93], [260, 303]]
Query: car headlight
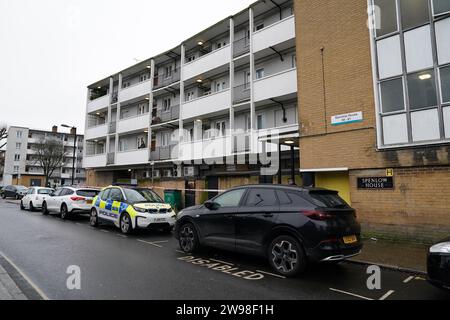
[[140, 210], [443, 247]]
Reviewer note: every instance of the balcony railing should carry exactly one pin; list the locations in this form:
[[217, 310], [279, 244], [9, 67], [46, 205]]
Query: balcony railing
[[162, 153], [241, 93], [241, 46], [242, 143], [112, 129], [111, 158], [166, 116], [166, 80]]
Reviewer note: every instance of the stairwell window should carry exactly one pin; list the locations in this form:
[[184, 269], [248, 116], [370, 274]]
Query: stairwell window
[[19, 134], [18, 146], [16, 169], [17, 157]]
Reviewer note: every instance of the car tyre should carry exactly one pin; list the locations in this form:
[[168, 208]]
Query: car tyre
[[32, 208], [188, 238], [93, 220], [21, 206], [126, 227], [286, 256], [17, 197], [44, 208], [64, 212], [3, 196]]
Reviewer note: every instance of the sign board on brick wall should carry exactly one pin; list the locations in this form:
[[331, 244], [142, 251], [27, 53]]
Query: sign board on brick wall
[[376, 183], [347, 118]]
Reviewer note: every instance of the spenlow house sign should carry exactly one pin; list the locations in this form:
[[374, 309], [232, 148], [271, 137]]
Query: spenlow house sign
[[347, 118], [376, 183]]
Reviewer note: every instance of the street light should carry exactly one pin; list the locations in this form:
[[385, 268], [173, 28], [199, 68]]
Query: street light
[[74, 129]]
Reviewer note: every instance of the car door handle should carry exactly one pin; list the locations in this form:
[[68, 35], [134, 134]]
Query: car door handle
[[268, 215]]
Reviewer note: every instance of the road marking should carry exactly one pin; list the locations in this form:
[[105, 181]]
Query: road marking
[[271, 274], [105, 231], [351, 294], [390, 292], [162, 241], [32, 284], [150, 243], [408, 279], [220, 261], [420, 278], [180, 251]]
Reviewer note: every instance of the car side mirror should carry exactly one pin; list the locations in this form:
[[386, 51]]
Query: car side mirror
[[210, 205]]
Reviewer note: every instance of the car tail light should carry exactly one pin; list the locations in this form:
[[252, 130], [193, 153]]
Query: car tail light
[[317, 215], [78, 198]]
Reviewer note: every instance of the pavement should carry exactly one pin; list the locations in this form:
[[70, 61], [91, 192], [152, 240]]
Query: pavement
[[8, 288], [53, 256]]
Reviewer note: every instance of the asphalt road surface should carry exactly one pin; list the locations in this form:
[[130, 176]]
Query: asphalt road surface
[[149, 265]]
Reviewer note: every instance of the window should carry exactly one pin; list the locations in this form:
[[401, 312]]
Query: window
[[389, 57], [294, 61], [248, 122], [115, 195], [395, 129], [166, 104], [143, 77], [259, 26], [260, 122], [230, 199], [191, 58], [165, 139], [445, 84], [190, 96], [441, 6], [446, 112], [261, 198], [16, 169], [425, 125], [220, 86], [142, 109], [141, 143], [327, 200], [19, 134], [18, 146], [422, 90], [260, 73], [104, 194], [126, 84], [168, 72], [442, 29], [387, 21], [392, 97], [221, 128], [247, 78], [418, 57], [414, 13], [17, 157]]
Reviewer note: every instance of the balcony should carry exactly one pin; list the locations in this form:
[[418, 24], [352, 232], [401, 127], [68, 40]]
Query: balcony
[[215, 102], [274, 34], [217, 147], [208, 62], [131, 157], [98, 104], [135, 91], [166, 116], [94, 161], [241, 47], [276, 85], [162, 153], [241, 93], [166, 80], [133, 123], [96, 132]]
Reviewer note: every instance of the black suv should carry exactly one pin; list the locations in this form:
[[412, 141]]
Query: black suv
[[291, 226]]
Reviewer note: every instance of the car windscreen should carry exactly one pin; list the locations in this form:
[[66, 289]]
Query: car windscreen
[[45, 191], [327, 199], [21, 188], [88, 193], [135, 196]]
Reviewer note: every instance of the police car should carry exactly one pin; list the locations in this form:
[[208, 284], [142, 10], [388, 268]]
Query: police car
[[131, 208]]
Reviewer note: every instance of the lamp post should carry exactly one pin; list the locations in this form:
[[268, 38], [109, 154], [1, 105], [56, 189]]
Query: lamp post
[[74, 130]]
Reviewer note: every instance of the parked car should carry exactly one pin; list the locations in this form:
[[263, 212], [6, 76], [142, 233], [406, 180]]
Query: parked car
[[34, 198], [69, 200], [130, 208], [16, 192], [288, 225], [439, 264]]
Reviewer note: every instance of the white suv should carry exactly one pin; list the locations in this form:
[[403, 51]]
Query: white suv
[[34, 197], [68, 200]]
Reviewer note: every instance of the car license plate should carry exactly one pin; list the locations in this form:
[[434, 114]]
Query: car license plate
[[160, 219], [89, 201], [350, 239]]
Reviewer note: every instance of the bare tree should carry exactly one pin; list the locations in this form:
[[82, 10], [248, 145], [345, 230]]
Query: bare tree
[[3, 135], [49, 156]]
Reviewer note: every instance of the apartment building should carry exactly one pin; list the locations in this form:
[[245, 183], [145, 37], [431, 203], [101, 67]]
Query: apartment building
[[375, 109], [21, 167], [230, 91], [2, 165]]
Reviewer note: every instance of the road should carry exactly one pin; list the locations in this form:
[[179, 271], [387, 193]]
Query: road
[[149, 265]]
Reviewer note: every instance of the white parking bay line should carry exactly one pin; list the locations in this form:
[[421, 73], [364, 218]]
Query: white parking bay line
[[408, 279], [389, 293], [105, 231], [179, 251], [351, 294], [150, 243], [162, 241], [271, 274], [224, 262]]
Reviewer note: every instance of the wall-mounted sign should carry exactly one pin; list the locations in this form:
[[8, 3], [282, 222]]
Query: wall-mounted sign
[[376, 183], [347, 118], [389, 172]]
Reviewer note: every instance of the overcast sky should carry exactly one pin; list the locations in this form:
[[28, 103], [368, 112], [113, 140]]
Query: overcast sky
[[50, 50]]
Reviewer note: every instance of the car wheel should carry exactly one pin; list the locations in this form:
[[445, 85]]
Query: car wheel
[[286, 256], [44, 208], [125, 224], [64, 212], [17, 197], [3, 196], [32, 209], [188, 238], [21, 206], [93, 218]]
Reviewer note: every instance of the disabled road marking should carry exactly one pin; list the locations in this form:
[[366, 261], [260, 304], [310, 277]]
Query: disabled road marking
[[224, 262], [351, 294], [151, 243], [272, 274]]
